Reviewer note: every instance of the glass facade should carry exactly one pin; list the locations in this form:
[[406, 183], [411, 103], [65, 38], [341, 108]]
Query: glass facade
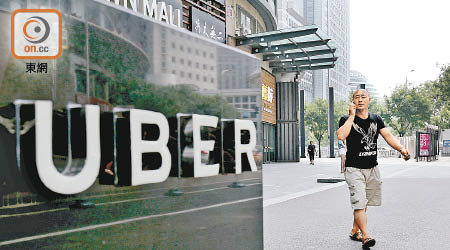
[[125, 62], [247, 22]]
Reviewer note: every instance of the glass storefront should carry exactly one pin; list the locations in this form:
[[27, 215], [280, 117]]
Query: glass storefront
[[269, 142], [124, 62]]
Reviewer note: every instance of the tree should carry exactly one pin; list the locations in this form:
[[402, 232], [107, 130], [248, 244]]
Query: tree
[[170, 100], [316, 119], [407, 109], [340, 109], [439, 93]]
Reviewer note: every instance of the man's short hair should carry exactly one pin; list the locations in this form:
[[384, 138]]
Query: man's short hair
[[364, 90]]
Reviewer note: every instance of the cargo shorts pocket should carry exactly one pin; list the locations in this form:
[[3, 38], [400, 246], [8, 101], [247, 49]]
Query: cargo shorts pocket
[[373, 191], [356, 185]]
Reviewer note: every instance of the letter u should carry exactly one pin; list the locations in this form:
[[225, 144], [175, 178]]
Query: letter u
[[49, 175]]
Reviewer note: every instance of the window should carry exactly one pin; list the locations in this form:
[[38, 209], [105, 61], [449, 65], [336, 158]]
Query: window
[[81, 80], [181, 48], [245, 21], [230, 99], [182, 73], [189, 62], [181, 60], [205, 78], [253, 98], [212, 68], [190, 75], [197, 65], [212, 79], [245, 106], [211, 56], [245, 99], [174, 59], [204, 66], [237, 99], [197, 77]]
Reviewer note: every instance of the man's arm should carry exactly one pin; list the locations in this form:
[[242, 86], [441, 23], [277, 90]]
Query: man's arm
[[343, 131], [393, 142]]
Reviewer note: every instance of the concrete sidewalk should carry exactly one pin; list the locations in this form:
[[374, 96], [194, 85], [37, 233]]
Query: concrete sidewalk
[[286, 181], [300, 213]]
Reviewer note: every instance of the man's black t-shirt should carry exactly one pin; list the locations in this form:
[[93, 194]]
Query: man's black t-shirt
[[311, 149], [362, 141]]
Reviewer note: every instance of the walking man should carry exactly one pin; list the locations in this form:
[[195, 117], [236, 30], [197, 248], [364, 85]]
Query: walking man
[[311, 152], [360, 129]]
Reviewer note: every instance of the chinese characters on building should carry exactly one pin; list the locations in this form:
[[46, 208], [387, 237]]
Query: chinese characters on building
[[207, 30], [267, 95], [207, 25]]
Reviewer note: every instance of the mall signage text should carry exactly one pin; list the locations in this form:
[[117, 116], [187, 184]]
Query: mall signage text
[[158, 10]]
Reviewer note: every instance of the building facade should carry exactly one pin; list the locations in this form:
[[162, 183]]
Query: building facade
[[332, 16], [290, 14], [357, 80], [136, 101], [288, 54]]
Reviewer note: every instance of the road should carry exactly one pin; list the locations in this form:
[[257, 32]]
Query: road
[[300, 213], [209, 215]]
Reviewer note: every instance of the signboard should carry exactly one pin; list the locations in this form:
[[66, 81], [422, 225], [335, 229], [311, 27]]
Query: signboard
[[446, 147], [424, 140], [230, 11], [168, 11], [268, 96], [207, 25]]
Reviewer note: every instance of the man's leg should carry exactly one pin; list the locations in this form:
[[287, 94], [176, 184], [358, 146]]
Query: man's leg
[[360, 219], [355, 227]]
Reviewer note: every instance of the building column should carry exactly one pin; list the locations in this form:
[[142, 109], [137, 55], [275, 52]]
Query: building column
[[287, 121], [302, 124], [331, 120]]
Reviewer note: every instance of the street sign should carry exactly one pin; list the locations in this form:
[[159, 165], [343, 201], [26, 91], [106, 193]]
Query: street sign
[[446, 147]]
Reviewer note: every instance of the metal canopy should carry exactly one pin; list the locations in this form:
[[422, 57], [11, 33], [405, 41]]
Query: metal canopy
[[293, 49]]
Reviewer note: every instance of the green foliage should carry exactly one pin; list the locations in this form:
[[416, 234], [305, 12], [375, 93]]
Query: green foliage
[[407, 109], [316, 119], [170, 100], [17, 84], [439, 93], [340, 109]]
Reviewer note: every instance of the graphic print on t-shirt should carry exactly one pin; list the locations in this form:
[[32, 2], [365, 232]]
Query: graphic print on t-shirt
[[368, 137]]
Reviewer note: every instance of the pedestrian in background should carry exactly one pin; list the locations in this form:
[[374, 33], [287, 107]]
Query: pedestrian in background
[[311, 152], [342, 152], [360, 129]]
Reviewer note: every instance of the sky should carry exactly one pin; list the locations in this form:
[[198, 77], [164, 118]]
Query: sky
[[391, 38]]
